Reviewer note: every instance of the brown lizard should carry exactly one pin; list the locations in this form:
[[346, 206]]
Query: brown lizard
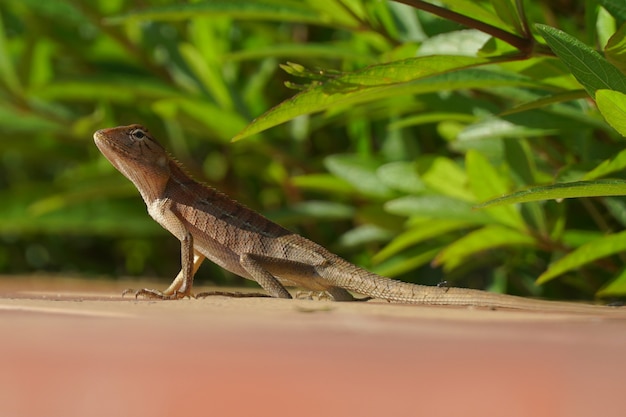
[[211, 225]]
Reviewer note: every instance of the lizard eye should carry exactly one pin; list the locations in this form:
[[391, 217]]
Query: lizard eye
[[138, 134]]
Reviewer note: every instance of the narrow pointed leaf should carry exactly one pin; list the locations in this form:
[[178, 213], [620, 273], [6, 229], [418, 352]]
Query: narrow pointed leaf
[[326, 183], [476, 9], [545, 101], [425, 231], [612, 105], [615, 288], [359, 86], [617, 163], [447, 177], [486, 183], [615, 49], [507, 11], [360, 173], [240, 9], [597, 249], [472, 244], [406, 261], [598, 188], [590, 69], [401, 176], [8, 75], [437, 207], [617, 8]]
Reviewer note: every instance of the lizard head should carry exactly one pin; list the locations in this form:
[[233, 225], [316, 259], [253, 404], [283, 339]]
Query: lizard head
[[136, 154]]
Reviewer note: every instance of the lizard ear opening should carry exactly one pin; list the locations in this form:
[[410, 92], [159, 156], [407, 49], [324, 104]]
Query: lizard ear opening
[[163, 161]]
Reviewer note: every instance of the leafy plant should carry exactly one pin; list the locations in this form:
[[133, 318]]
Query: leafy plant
[[399, 124]]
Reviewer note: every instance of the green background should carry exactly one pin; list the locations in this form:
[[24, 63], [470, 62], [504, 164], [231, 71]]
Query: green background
[[394, 125]]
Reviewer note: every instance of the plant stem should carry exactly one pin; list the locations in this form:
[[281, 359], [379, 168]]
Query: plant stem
[[523, 44]]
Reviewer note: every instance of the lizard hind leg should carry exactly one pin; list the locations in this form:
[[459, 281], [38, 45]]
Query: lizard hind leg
[[262, 276], [340, 294]]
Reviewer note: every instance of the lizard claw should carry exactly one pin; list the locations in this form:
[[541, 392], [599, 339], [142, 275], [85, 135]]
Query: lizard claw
[[156, 294]]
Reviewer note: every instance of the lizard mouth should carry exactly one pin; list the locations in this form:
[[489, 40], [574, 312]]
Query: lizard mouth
[[109, 148], [105, 144], [99, 137]]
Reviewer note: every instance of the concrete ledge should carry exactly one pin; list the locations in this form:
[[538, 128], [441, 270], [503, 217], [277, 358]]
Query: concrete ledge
[[76, 348]]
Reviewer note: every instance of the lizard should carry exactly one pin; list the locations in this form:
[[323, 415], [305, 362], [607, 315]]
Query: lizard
[[211, 225]]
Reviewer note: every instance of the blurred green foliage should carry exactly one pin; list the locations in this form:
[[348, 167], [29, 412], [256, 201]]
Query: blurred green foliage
[[379, 128]]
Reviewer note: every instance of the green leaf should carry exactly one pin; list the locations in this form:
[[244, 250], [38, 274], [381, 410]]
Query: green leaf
[[126, 90], [588, 66], [499, 128], [433, 117], [337, 13], [492, 147], [364, 235], [360, 173], [486, 183], [617, 208], [424, 231], [597, 249], [371, 83], [437, 207], [207, 74], [8, 75], [312, 209], [284, 11], [507, 11], [291, 51], [615, 49], [575, 189], [445, 176], [221, 123], [489, 237], [323, 182], [13, 120], [24, 213], [479, 10], [519, 157], [617, 8], [575, 238], [406, 261], [401, 176], [615, 288], [612, 105], [548, 70], [462, 42], [545, 101]]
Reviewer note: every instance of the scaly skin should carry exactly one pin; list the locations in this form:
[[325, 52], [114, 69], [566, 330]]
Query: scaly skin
[[211, 225]]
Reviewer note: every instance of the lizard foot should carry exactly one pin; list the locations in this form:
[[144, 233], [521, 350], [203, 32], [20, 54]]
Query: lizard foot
[[156, 294], [324, 296], [314, 295], [231, 294]]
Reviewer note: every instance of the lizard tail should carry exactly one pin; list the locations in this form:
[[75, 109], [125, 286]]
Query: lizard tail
[[358, 280]]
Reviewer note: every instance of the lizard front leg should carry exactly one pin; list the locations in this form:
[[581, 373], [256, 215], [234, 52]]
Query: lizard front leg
[[190, 261], [182, 284]]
